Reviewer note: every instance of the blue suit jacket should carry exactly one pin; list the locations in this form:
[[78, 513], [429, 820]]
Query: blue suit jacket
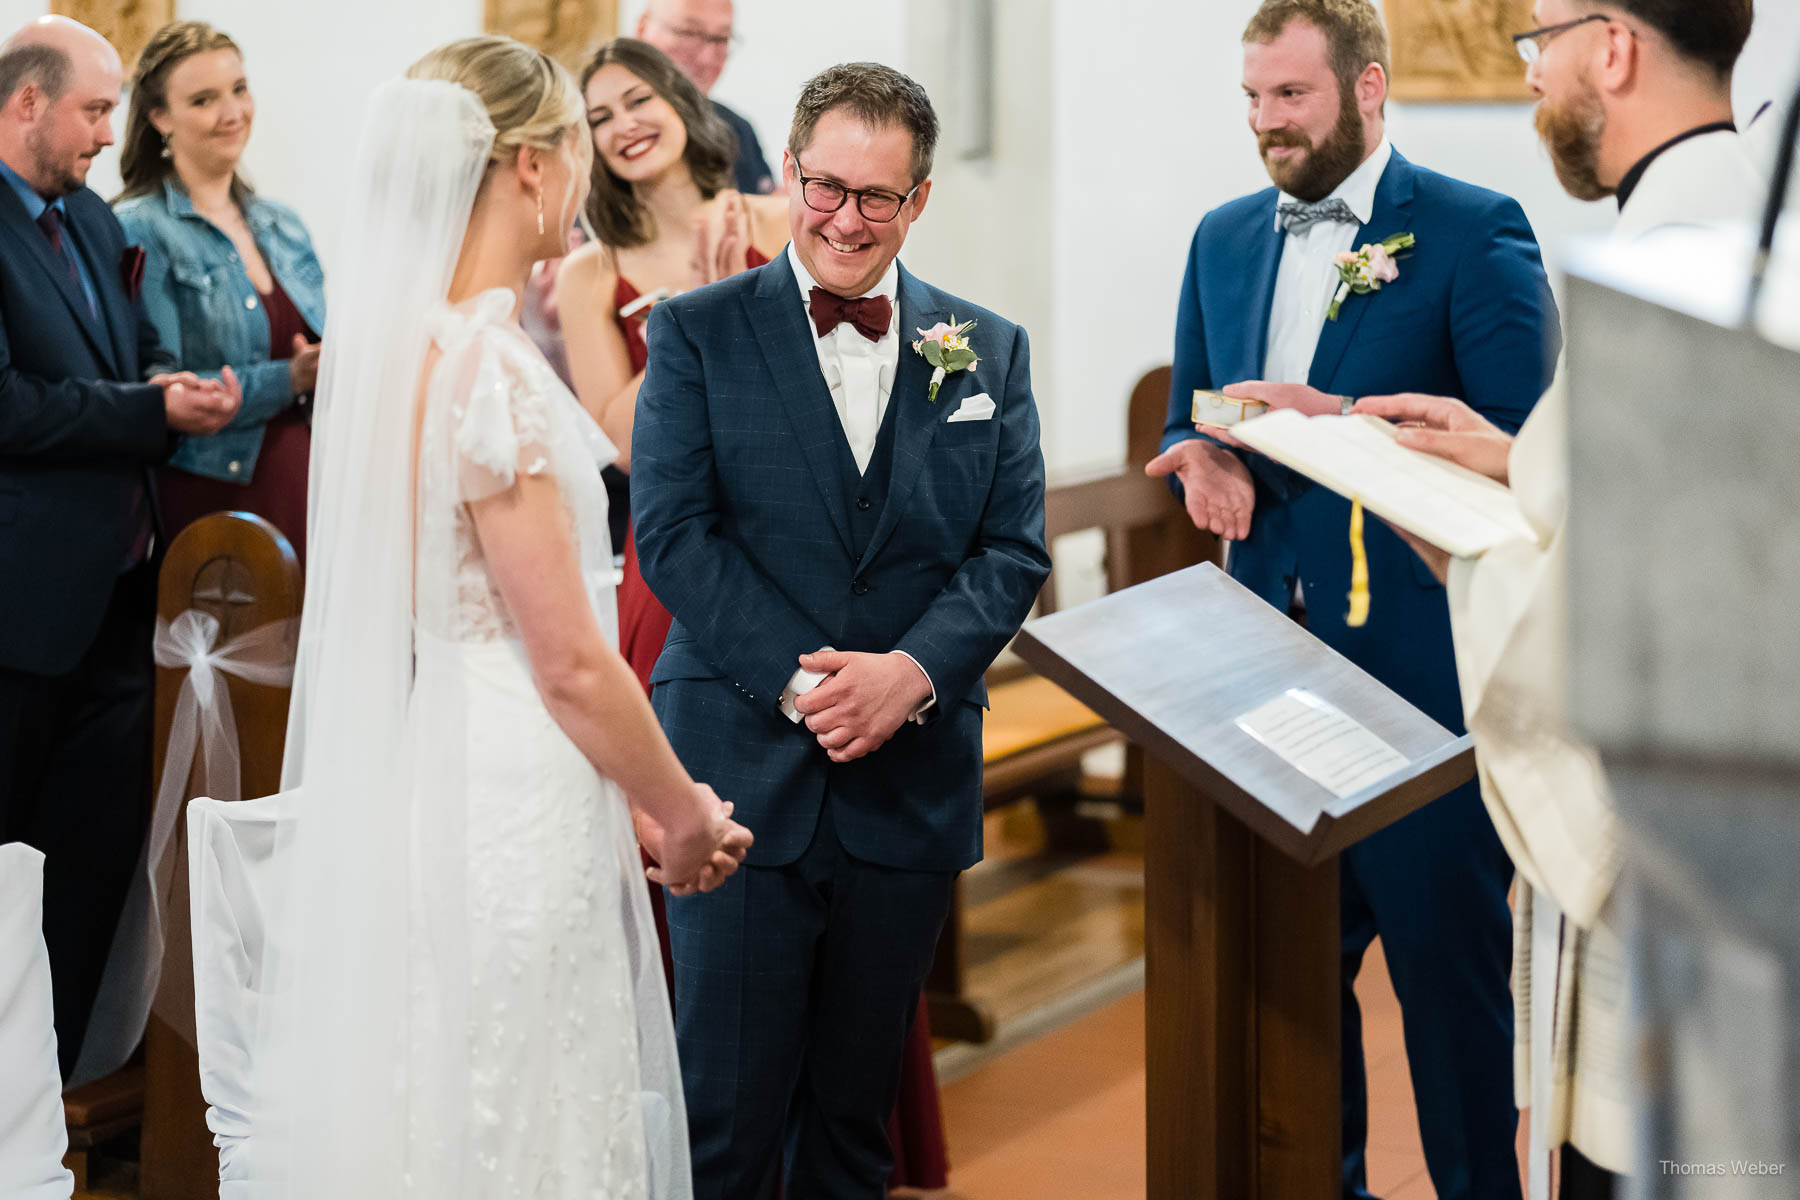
[[1470, 316], [738, 498], [77, 431]]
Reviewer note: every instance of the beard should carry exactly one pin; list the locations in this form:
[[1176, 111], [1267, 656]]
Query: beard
[[1571, 131], [1318, 172], [47, 165]]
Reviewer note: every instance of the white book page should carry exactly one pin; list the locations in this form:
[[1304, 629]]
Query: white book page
[[1357, 457], [1322, 742]]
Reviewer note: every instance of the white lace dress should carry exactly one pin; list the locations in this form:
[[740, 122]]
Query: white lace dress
[[534, 1068]]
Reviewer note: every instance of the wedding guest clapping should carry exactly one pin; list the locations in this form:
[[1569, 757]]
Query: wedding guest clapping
[[666, 220], [230, 277]]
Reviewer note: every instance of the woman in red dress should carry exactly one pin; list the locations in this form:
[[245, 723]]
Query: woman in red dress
[[665, 221]]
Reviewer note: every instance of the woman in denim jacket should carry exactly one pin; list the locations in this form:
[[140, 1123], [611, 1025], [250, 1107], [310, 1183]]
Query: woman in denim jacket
[[230, 279]]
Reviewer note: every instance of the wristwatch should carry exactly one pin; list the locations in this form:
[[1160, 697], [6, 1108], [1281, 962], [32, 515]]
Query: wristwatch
[[1345, 404]]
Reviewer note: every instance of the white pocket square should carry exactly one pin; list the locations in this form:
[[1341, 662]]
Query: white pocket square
[[976, 408]]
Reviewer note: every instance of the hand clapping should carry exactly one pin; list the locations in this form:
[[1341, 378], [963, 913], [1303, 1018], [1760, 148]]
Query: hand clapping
[[721, 239], [196, 406]]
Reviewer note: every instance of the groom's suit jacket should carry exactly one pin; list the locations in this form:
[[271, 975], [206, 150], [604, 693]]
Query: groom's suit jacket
[[757, 532], [79, 431], [1470, 316]]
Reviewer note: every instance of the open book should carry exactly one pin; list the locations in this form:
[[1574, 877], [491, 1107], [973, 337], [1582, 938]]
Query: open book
[[1359, 458]]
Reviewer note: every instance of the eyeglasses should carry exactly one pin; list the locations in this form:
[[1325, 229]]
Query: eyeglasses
[[701, 38], [1531, 45], [822, 195]]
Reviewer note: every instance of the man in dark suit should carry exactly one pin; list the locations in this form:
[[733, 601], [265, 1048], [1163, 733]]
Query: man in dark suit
[[697, 35], [79, 431], [846, 543], [1469, 315]]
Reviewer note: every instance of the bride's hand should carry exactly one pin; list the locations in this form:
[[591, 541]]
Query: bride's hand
[[700, 854]]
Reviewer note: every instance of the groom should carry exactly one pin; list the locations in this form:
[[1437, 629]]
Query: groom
[[844, 556]]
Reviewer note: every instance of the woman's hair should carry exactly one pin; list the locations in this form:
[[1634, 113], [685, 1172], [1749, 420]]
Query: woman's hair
[[613, 210], [142, 166], [530, 97]]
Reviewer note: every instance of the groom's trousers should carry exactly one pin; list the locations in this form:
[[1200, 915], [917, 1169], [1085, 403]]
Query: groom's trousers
[[795, 990]]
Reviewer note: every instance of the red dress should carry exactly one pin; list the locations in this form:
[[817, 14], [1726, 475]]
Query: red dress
[[276, 491], [916, 1128]]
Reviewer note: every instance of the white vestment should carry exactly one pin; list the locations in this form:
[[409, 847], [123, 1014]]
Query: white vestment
[[1547, 793]]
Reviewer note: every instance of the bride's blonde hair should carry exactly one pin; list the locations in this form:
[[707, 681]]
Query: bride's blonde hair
[[531, 99]]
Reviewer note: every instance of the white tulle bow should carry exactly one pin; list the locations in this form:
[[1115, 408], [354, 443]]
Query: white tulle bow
[[203, 723]]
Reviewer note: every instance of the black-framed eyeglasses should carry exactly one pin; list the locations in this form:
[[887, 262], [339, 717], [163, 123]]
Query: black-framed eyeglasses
[[822, 195], [1531, 45], [700, 37]]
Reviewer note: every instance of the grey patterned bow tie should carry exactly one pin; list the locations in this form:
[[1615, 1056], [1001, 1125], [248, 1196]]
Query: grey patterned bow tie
[[1297, 216]]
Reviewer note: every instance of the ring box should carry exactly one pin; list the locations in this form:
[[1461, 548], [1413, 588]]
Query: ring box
[[1218, 409]]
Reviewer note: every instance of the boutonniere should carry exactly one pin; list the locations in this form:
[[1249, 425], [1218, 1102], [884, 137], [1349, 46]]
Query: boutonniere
[[946, 348], [1364, 271], [131, 272]]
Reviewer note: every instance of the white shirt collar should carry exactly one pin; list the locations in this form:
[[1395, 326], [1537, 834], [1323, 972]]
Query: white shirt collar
[[1358, 188], [888, 285]]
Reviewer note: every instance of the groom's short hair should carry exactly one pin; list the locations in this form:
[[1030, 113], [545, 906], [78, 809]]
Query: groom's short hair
[[1352, 29], [877, 96]]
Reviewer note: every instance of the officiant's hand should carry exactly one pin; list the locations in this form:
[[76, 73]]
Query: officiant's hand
[[1446, 427], [1307, 401], [1215, 486], [865, 698], [1435, 558], [699, 857]]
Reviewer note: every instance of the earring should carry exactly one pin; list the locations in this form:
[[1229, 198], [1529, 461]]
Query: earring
[[540, 200], [166, 152]]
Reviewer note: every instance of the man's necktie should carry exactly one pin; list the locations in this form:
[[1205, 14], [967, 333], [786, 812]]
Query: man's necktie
[[870, 315], [1297, 216], [50, 221]]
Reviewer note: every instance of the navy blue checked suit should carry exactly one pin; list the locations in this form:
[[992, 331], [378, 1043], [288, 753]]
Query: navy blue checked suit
[[1470, 316], [79, 431], [796, 981]]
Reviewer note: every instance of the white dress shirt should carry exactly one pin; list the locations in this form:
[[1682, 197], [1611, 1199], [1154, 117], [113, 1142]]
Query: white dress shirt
[[860, 374], [1308, 275]]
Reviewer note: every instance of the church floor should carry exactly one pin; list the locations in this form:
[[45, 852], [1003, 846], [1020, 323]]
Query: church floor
[[1062, 1114]]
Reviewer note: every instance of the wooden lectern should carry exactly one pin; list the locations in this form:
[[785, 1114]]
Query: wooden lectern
[[1241, 876]]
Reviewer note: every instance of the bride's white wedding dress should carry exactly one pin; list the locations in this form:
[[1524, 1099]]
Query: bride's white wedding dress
[[463, 997], [551, 874]]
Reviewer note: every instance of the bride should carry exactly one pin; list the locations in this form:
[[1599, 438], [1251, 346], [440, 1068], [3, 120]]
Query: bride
[[465, 997]]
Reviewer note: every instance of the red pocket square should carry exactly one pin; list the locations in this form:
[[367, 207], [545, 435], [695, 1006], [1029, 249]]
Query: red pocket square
[[131, 272]]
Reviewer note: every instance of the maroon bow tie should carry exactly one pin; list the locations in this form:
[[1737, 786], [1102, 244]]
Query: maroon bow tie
[[871, 314]]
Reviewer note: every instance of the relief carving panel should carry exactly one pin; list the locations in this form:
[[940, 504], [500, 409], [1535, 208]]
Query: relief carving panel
[[566, 30], [1457, 50]]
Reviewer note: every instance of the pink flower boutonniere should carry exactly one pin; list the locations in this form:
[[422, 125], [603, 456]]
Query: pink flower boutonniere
[[946, 348], [1364, 271]]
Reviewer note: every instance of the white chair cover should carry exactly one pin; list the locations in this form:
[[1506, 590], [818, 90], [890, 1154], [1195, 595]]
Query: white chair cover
[[33, 1138], [230, 856]]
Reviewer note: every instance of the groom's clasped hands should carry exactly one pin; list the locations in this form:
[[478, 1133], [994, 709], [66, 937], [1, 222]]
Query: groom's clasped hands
[[862, 701]]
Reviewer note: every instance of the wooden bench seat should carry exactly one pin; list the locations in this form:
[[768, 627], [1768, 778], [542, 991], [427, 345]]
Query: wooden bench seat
[[1034, 731]]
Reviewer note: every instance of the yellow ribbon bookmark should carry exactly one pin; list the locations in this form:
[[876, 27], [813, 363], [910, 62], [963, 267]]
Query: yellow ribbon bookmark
[[1359, 570]]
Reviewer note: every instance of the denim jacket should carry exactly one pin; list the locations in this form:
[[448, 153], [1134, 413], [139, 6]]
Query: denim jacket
[[208, 314]]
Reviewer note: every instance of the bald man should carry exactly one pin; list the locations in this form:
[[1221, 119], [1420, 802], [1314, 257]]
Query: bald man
[[84, 415], [697, 35]]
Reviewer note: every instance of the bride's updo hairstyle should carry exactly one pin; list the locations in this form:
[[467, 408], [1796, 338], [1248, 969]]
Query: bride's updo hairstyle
[[531, 99]]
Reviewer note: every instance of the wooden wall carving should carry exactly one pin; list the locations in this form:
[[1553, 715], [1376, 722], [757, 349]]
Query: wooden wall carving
[[127, 24], [566, 30], [1457, 50]]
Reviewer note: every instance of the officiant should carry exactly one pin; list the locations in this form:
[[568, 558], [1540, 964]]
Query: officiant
[[1635, 104]]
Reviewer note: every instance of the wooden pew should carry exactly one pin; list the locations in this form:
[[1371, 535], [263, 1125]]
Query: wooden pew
[[241, 570], [1035, 734]]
